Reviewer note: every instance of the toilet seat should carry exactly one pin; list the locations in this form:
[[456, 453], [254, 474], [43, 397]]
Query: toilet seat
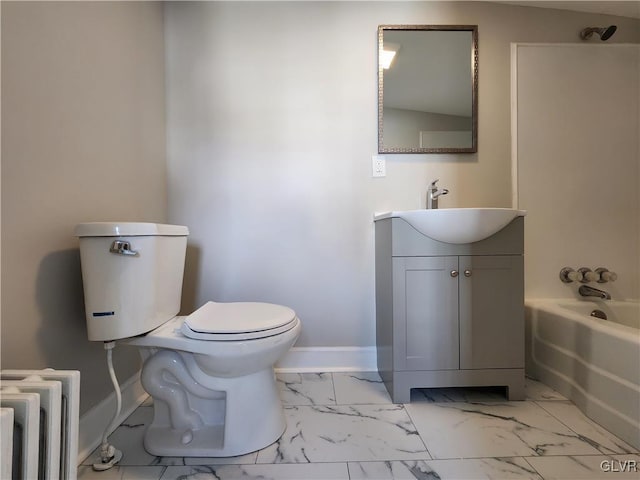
[[238, 321]]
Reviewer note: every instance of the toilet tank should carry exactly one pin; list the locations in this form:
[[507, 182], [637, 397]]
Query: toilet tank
[[132, 276]]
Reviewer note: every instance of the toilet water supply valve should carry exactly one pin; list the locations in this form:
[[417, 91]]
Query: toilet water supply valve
[[110, 455], [586, 275]]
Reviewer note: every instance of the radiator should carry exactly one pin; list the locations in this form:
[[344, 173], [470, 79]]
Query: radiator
[[44, 443], [26, 427], [6, 441]]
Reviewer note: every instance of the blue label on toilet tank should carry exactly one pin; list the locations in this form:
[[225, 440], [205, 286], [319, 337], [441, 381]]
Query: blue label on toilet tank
[[103, 314]]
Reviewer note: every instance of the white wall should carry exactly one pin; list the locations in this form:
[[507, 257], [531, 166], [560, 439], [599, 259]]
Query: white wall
[[83, 139], [578, 156], [402, 127], [272, 121]]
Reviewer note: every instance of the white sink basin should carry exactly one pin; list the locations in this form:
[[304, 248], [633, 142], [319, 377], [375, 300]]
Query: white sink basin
[[457, 225]]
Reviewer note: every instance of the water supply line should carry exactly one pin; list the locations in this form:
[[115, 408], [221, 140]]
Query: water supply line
[[110, 455]]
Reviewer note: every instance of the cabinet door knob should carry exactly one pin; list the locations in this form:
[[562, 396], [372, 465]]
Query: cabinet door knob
[[467, 273], [454, 273]]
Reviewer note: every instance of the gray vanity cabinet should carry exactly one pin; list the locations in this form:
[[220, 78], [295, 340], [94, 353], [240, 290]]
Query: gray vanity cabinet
[[425, 313], [449, 315], [491, 312]]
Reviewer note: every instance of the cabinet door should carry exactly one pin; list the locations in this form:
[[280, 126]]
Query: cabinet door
[[491, 312], [425, 313]]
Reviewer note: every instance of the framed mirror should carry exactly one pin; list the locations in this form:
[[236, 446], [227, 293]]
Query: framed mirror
[[427, 88]]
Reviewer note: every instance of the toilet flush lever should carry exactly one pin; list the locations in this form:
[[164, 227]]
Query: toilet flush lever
[[121, 247]]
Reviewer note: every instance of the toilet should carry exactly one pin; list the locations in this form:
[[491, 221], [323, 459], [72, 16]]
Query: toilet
[[210, 373]]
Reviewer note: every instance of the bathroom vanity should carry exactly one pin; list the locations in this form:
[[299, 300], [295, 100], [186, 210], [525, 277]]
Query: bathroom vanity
[[449, 314]]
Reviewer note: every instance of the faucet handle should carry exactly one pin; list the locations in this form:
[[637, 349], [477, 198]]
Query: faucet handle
[[433, 184], [569, 275], [604, 275], [588, 275]]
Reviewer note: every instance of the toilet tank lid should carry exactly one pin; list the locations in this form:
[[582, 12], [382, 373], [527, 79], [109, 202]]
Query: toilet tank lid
[[128, 229]]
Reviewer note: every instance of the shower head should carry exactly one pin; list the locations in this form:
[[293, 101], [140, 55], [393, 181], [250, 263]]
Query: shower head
[[605, 33]]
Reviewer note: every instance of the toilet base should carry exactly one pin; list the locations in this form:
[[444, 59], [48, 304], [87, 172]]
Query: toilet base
[[196, 415], [167, 442], [207, 442]]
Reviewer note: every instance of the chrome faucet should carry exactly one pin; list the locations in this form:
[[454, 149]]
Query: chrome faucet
[[433, 192], [587, 291]]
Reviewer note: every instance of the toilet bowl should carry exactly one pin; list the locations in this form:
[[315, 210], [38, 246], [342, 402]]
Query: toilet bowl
[[210, 373]]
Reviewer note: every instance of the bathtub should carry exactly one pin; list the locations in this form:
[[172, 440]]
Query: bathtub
[[593, 362]]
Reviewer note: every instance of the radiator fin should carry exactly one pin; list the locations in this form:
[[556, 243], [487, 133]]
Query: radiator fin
[[49, 450]]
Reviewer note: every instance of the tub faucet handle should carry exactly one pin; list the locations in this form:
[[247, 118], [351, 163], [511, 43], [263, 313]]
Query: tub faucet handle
[[569, 275], [588, 275], [605, 275]]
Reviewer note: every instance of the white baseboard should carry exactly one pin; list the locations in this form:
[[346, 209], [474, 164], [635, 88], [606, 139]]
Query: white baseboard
[[93, 423], [328, 359]]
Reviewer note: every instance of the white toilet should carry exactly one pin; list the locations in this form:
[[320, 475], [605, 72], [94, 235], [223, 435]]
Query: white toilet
[[210, 373]]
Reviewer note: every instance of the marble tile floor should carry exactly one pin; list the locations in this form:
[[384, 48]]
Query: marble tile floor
[[344, 426]]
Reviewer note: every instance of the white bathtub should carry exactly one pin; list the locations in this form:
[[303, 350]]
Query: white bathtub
[[593, 362]]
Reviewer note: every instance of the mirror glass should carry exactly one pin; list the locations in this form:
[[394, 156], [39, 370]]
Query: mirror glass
[[427, 88]]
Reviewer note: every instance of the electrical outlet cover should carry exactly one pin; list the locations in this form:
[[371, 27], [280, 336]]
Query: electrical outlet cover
[[379, 166]]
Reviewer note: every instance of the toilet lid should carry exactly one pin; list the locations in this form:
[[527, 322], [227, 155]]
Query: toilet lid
[[238, 321]]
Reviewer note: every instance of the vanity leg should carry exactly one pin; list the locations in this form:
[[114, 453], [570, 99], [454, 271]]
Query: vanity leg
[[401, 393], [404, 397], [515, 390]]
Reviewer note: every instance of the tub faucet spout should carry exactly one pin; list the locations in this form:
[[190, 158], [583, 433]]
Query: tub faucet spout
[[587, 291]]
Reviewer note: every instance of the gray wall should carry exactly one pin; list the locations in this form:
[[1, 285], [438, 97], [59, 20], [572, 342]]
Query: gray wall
[[272, 121], [83, 139]]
